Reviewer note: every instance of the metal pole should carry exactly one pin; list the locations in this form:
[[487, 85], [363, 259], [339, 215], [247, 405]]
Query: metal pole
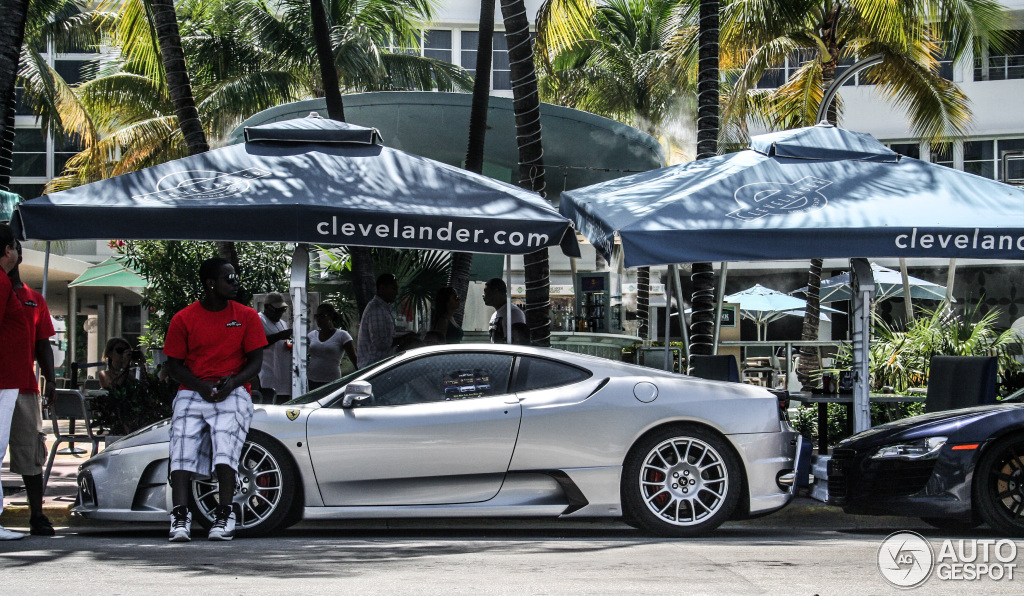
[[300, 319], [508, 299], [723, 273], [949, 282], [668, 321], [683, 327], [908, 305], [838, 82], [46, 269]]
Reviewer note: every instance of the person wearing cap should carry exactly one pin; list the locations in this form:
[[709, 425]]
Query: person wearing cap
[[276, 373]]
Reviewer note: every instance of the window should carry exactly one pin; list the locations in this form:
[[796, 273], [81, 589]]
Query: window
[[65, 150], [29, 153], [979, 158], [990, 65], [777, 76], [500, 70], [27, 191], [75, 71], [437, 44], [942, 154], [538, 373], [442, 377], [1014, 173], [908, 149]]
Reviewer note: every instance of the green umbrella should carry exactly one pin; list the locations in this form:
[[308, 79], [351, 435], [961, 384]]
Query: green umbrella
[[111, 273]]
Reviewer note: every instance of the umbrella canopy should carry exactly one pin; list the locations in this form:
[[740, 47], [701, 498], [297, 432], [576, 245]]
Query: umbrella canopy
[[812, 192], [888, 284], [111, 273], [309, 180], [763, 305]]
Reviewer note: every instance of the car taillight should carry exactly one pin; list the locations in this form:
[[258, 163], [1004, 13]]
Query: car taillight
[[783, 396]]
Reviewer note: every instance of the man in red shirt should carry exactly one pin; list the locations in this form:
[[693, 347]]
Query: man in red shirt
[[15, 350], [28, 443], [214, 346]]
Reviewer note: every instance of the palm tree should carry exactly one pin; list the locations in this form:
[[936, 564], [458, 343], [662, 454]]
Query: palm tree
[[38, 23], [462, 262], [526, 106], [12, 33], [702, 319], [911, 36], [618, 59]]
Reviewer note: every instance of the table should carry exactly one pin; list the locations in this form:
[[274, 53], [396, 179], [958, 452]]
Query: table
[[823, 400]]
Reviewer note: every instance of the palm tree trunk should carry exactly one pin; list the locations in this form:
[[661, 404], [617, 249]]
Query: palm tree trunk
[[179, 87], [643, 301], [462, 262], [526, 105], [12, 34], [362, 260], [809, 361], [703, 275]]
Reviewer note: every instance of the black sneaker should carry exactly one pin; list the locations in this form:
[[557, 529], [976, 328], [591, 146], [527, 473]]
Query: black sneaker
[[224, 525], [181, 524], [40, 526]]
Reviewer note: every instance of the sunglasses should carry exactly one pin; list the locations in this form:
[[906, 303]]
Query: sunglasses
[[121, 350], [281, 308], [230, 277]]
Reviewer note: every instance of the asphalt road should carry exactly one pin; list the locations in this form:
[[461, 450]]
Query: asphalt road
[[806, 551]]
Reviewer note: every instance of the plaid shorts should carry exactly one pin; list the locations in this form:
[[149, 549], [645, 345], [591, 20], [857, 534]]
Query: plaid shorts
[[205, 434]]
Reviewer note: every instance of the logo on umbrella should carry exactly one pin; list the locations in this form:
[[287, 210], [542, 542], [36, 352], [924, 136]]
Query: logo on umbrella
[[202, 184], [779, 198]]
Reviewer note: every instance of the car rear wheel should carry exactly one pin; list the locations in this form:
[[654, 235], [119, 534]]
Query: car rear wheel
[[680, 482], [264, 493], [999, 486]]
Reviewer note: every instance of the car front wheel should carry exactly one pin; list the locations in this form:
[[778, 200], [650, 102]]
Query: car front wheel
[[681, 482], [999, 486], [264, 489]]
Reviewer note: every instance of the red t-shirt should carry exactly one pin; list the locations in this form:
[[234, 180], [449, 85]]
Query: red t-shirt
[[15, 340], [214, 344], [39, 321]]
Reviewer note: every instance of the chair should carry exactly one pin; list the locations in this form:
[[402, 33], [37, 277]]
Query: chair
[[716, 368], [761, 367], [960, 382], [69, 405]]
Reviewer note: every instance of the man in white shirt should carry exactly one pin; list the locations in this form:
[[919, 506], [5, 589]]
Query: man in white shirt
[[495, 292], [276, 372], [377, 326]]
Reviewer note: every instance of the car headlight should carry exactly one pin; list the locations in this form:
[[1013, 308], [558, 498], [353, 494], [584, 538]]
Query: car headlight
[[925, 448]]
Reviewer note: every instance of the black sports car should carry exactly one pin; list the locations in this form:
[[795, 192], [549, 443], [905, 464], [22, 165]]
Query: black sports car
[[954, 469]]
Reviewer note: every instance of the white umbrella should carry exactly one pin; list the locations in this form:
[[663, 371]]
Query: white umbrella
[[888, 284]]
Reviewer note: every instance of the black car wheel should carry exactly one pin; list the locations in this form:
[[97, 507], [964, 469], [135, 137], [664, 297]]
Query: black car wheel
[[999, 486], [264, 494], [680, 482], [951, 525]]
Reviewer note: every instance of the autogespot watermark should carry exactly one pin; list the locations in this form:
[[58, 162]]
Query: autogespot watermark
[[907, 560]]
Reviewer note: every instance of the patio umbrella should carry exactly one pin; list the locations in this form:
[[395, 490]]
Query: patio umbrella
[[888, 284], [763, 305], [111, 273], [309, 180], [818, 191]]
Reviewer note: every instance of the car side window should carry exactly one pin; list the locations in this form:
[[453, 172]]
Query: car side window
[[539, 373], [442, 377]]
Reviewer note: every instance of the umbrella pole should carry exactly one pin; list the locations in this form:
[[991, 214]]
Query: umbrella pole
[[949, 283], [299, 286], [46, 268], [723, 273], [683, 327], [668, 322], [508, 299], [907, 304]]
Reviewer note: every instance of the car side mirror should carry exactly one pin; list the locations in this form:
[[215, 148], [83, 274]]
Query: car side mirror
[[356, 391]]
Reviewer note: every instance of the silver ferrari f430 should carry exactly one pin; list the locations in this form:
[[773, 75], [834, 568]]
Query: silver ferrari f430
[[479, 430]]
